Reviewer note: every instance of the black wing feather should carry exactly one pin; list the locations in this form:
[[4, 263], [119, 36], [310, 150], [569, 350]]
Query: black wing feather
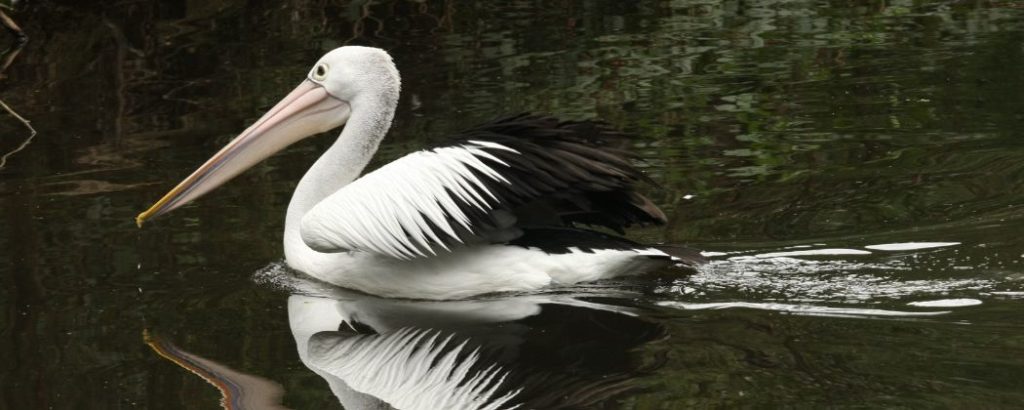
[[574, 168]]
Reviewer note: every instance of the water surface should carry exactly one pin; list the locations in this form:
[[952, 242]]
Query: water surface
[[855, 171]]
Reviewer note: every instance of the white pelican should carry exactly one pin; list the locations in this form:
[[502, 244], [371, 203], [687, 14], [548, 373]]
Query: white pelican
[[494, 210]]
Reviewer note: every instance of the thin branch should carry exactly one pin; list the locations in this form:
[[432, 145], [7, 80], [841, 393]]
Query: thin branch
[[31, 136], [12, 27], [8, 57], [121, 42]]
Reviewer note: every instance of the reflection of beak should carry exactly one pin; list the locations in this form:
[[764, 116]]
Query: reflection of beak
[[306, 111]]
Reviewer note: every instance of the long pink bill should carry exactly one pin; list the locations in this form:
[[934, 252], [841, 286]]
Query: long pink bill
[[308, 110]]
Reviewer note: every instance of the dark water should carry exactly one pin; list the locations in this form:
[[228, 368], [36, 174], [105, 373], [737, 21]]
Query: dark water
[[790, 139]]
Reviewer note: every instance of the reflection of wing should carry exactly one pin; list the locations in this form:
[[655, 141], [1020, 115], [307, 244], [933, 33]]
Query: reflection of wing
[[526, 168], [544, 351], [411, 369], [238, 390]]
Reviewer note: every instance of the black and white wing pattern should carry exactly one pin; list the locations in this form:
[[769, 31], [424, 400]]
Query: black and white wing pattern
[[526, 170]]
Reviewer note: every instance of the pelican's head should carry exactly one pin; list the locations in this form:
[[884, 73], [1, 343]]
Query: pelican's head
[[323, 101]]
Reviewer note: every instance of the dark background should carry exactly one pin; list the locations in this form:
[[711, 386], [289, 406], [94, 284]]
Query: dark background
[[824, 123]]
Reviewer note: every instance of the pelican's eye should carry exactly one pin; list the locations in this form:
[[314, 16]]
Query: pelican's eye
[[319, 72]]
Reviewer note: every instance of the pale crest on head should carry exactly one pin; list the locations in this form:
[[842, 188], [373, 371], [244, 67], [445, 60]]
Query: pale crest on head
[[351, 72]]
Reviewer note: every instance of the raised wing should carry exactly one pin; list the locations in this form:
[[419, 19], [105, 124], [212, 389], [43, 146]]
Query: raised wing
[[537, 169]]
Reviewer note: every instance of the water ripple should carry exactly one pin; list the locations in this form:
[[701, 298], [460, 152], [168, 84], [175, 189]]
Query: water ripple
[[823, 274], [802, 309]]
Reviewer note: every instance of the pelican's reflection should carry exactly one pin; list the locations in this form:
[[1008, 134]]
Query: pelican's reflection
[[543, 351], [530, 351]]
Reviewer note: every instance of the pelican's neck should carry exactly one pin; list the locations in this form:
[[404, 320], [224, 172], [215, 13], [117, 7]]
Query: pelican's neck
[[338, 166]]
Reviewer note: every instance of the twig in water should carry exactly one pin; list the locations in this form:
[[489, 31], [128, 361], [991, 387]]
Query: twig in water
[[32, 135]]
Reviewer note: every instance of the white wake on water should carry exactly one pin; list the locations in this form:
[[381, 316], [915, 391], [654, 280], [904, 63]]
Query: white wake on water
[[821, 280]]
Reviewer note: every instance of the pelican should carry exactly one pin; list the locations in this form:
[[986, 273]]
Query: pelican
[[496, 209]]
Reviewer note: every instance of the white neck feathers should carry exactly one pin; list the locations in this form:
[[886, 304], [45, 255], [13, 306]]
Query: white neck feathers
[[373, 108]]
